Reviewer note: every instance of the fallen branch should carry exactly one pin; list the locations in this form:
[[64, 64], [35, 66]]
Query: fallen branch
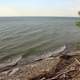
[[77, 61], [63, 73]]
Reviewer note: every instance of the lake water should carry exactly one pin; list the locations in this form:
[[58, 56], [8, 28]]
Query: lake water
[[35, 35]]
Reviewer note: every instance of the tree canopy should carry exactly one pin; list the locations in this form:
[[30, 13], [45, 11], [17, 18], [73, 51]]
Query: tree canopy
[[79, 13]]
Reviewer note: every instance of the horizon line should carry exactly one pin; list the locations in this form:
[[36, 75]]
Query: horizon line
[[39, 16]]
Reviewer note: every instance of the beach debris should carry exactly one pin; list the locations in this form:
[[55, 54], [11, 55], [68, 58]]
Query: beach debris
[[77, 61], [61, 67], [74, 53], [8, 65], [51, 54], [68, 72], [41, 68], [60, 50], [13, 71]]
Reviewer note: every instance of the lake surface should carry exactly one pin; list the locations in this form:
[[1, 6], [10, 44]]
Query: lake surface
[[35, 35]]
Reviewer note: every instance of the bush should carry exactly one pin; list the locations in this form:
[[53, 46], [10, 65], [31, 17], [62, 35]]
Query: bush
[[78, 24]]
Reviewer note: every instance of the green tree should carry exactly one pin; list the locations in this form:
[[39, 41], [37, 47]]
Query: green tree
[[78, 23], [79, 13]]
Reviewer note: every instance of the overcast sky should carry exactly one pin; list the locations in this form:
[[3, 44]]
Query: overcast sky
[[39, 7]]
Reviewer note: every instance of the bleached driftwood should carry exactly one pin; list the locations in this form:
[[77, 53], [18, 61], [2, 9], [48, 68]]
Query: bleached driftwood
[[6, 66], [50, 54]]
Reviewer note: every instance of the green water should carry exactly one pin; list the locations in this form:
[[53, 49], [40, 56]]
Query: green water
[[35, 35]]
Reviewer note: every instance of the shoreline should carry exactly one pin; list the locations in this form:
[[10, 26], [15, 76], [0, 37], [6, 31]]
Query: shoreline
[[60, 67], [50, 68]]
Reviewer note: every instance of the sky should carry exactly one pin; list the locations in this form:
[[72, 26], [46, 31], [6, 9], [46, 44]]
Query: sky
[[39, 7]]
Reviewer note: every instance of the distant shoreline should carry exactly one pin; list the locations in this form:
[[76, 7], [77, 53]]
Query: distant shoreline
[[43, 16]]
